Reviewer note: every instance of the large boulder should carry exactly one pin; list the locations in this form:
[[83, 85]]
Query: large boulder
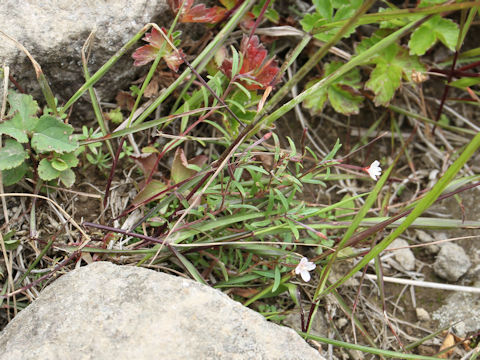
[[106, 311], [54, 31]]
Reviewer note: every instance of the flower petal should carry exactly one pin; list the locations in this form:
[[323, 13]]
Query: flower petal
[[305, 276]]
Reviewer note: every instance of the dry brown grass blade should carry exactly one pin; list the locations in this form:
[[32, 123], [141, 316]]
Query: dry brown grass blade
[[42, 80], [67, 216], [6, 71]]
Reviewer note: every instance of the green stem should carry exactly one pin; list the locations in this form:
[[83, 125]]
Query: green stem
[[315, 59], [37, 260], [95, 104], [98, 75], [422, 205], [370, 350], [402, 13]]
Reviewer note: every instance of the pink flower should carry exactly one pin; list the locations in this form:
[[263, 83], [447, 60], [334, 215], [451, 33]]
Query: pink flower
[[374, 170], [304, 267]]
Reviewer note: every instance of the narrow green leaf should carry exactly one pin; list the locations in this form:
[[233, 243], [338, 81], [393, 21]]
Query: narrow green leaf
[[282, 199], [238, 280], [190, 268], [276, 279], [235, 61]]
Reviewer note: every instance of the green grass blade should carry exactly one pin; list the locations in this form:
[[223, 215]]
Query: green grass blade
[[370, 350], [423, 205]]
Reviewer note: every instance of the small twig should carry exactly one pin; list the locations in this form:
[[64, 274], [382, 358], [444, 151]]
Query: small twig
[[6, 71], [44, 277], [427, 284]]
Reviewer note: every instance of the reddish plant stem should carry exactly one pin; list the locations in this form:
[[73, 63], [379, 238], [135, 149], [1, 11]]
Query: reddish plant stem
[[455, 73], [15, 82], [112, 171], [257, 21], [445, 91], [469, 66]]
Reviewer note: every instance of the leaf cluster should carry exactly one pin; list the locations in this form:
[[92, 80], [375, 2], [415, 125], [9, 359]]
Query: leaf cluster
[[45, 140]]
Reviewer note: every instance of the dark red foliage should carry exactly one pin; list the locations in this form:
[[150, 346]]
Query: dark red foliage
[[254, 65], [198, 13], [143, 55]]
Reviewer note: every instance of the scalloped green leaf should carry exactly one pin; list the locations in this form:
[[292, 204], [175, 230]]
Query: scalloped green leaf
[[343, 100], [328, 11], [67, 177], [52, 134], [46, 171], [392, 64], [23, 109], [341, 94], [384, 80], [12, 155], [427, 34], [12, 176]]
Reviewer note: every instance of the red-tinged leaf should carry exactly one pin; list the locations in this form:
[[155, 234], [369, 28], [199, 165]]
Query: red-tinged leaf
[[267, 73], [147, 53], [125, 100], [198, 13], [201, 14], [180, 167], [248, 21], [146, 162], [175, 5], [153, 188], [254, 65], [156, 39], [143, 55], [174, 60]]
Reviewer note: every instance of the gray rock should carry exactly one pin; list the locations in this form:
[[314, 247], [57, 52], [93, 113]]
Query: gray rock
[[424, 237], [451, 262], [461, 311], [105, 311], [342, 322], [403, 256], [54, 31], [422, 314]]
